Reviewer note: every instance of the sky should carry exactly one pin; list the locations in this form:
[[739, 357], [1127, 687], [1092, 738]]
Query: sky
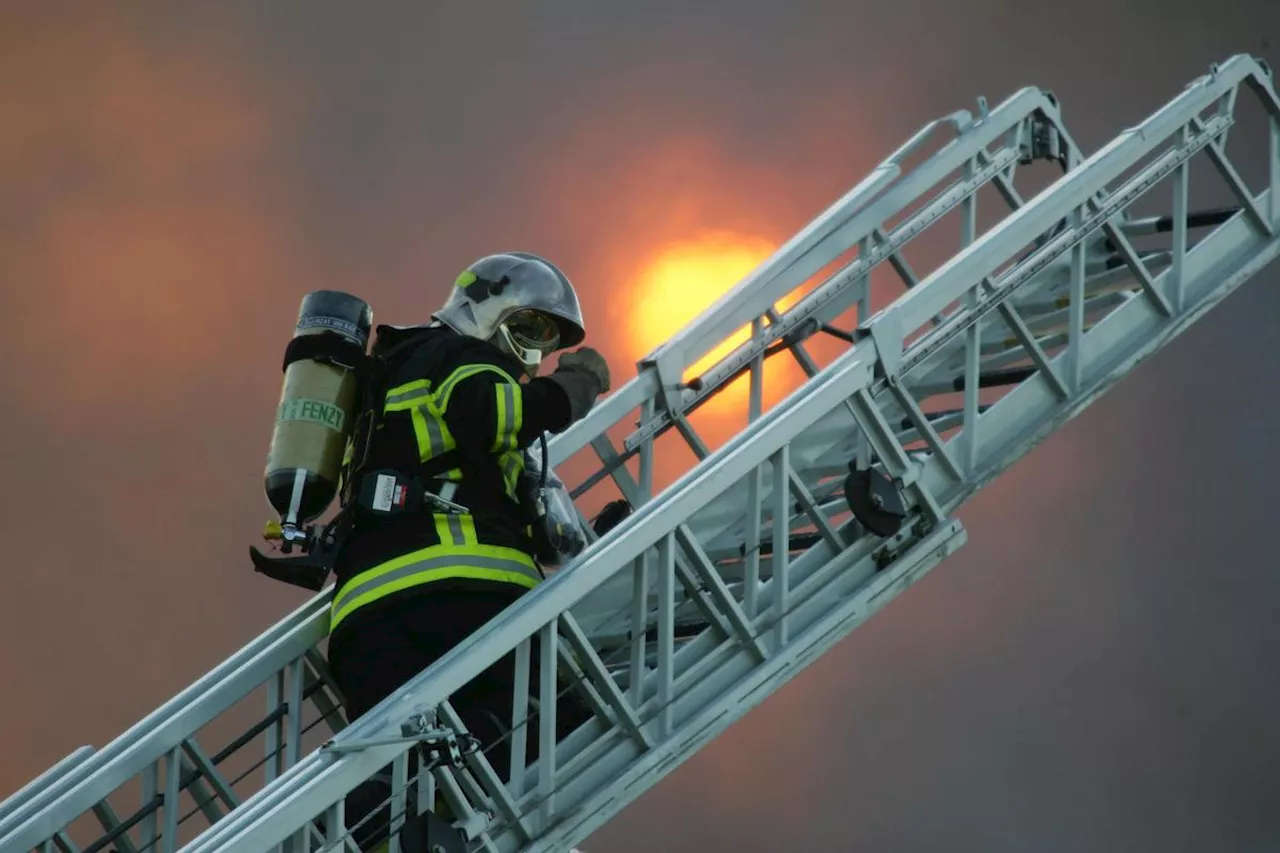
[[1095, 670]]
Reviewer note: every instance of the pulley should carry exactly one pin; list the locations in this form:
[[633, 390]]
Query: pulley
[[874, 501]]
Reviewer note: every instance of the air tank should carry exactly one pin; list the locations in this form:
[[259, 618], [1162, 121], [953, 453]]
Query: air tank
[[316, 413]]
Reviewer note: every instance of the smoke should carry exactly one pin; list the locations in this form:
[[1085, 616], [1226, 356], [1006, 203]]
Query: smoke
[[144, 230], [145, 215]]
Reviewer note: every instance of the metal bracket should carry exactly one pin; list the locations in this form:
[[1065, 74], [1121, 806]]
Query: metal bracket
[[670, 388], [1044, 142], [886, 332], [438, 744]]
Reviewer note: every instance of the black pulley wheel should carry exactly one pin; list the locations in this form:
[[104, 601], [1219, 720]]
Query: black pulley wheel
[[874, 501]]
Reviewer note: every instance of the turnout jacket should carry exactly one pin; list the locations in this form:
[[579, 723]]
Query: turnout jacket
[[453, 411]]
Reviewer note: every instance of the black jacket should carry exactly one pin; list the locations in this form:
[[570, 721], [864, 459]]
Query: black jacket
[[474, 408]]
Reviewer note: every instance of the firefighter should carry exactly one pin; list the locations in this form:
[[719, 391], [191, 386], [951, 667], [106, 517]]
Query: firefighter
[[458, 402]]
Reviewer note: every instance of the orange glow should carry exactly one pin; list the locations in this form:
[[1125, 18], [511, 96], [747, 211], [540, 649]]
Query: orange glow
[[681, 281]]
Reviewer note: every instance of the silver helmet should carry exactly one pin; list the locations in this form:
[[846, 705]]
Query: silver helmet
[[521, 302]]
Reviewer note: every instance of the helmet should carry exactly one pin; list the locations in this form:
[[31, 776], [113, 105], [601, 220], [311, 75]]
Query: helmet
[[521, 302]]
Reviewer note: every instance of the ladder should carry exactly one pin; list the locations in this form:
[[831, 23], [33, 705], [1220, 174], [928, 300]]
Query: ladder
[[773, 546]]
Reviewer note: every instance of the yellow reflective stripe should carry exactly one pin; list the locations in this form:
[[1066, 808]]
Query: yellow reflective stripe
[[500, 418], [412, 385], [517, 419], [512, 464], [510, 417], [468, 535], [508, 409], [427, 408], [430, 430], [406, 396], [446, 387], [437, 562], [456, 529]]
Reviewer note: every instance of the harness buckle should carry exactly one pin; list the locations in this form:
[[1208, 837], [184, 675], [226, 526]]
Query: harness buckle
[[441, 496], [435, 742], [386, 493]]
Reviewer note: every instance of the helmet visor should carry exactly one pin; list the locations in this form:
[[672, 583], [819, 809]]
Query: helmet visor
[[533, 330]]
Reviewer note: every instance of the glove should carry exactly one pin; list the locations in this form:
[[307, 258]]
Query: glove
[[583, 376], [590, 361]]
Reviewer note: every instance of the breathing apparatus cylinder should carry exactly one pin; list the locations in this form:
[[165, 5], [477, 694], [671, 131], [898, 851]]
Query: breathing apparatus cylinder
[[317, 406]]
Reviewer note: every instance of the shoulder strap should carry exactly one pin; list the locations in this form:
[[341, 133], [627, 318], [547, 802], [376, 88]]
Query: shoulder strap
[[373, 374]]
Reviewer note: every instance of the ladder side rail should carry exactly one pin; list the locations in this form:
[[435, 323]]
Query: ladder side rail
[[165, 729], [45, 780]]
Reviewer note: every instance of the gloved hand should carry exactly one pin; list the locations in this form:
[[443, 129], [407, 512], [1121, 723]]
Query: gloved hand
[[583, 375], [588, 360]]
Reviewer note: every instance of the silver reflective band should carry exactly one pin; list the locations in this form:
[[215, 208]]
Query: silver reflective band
[[435, 436]]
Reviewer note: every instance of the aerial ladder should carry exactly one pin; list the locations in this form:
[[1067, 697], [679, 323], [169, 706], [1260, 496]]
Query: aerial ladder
[[771, 547]]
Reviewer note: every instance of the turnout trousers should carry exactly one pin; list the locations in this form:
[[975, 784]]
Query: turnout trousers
[[378, 651]]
